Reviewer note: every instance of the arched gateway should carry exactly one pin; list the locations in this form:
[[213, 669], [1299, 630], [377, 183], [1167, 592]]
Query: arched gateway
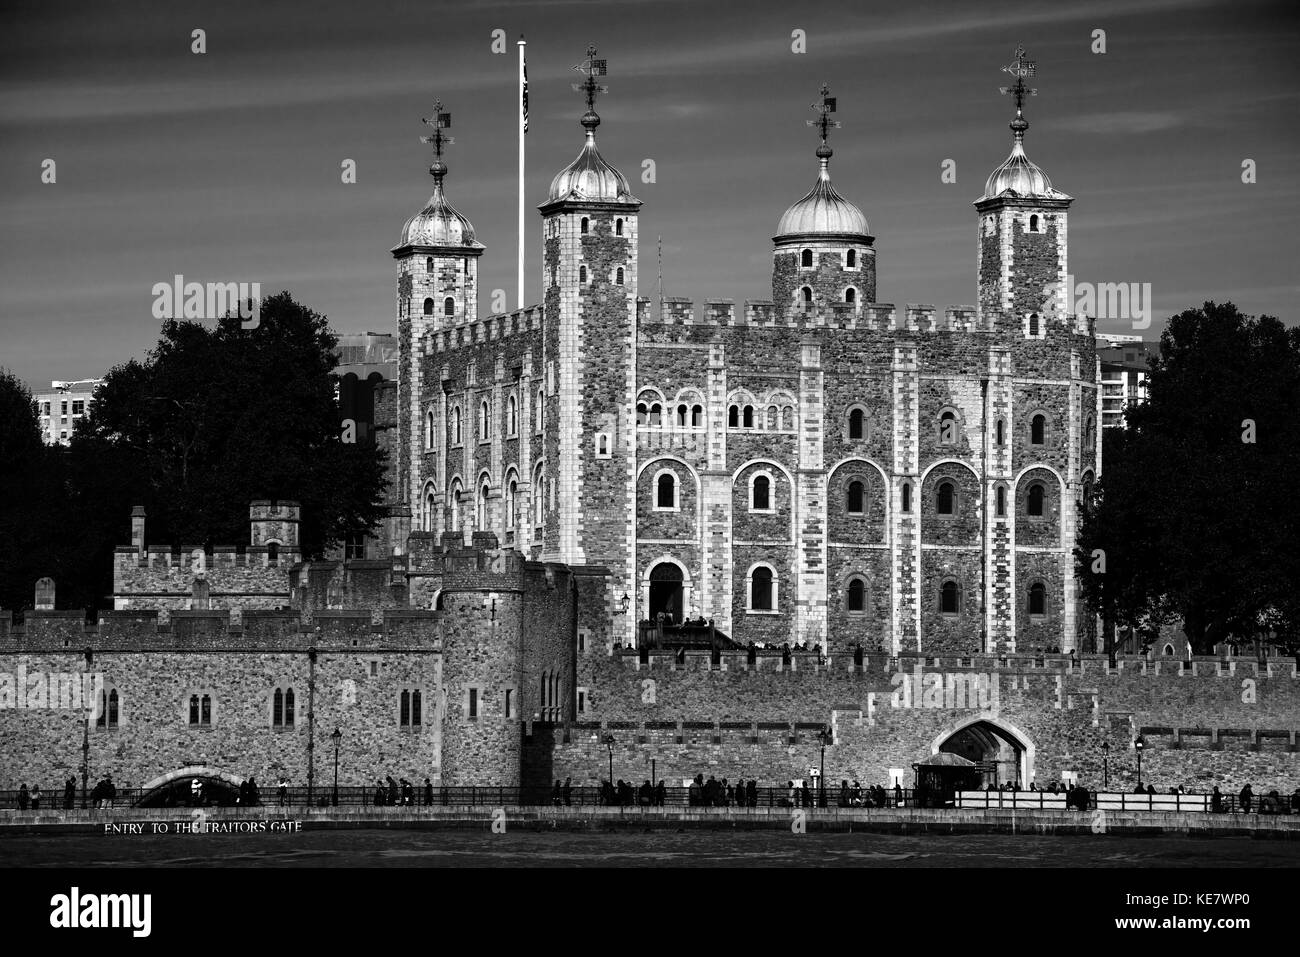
[[666, 592], [174, 789], [1001, 751]]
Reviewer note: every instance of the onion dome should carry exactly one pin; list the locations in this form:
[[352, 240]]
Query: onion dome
[[1019, 177], [823, 212], [438, 224], [589, 179]]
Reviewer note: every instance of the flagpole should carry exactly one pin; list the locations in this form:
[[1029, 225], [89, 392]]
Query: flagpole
[[522, 131]]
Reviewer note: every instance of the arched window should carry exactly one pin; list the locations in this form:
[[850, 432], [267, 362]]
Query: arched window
[[945, 498], [806, 294], [851, 259], [541, 410], [428, 511], [857, 424], [656, 415], [850, 294], [1038, 429], [481, 507], [455, 425], [762, 595], [107, 709], [273, 553], [787, 418], [428, 430], [682, 412], [856, 597], [602, 445], [806, 259], [201, 710], [618, 276], [618, 227], [456, 506], [907, 497], [733, 417], [948, 427], [1001, 437], [1002, 502], [1089, 433], [512, 500], [539, 498], [582, 274], [428, 264], [512, 416], [1169, 650], [1033, 223], [584, 225], [449, 306], [484, 422], [428, 307], [697, 416], [277, 709], [1034, 500], [773, 418], [748, 418], [642, 414], [761, 497], [666, 491], [1037, 600], [1033, 324], [855, 498], [949, 598]]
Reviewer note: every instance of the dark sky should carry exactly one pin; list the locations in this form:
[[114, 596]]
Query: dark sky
[[226, 166]]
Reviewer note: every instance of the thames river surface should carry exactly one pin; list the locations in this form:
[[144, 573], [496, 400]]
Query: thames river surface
[[406, 848]]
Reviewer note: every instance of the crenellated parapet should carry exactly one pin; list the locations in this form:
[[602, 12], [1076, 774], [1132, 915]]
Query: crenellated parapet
[[495, 328]]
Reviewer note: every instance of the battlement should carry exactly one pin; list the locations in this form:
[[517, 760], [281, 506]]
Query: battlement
[[1092, 666], [216, 630], [265, 511], [185, 562], [883, 317], [490, 329]]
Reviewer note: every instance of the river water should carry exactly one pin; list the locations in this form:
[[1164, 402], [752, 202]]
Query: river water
[[481, 848]]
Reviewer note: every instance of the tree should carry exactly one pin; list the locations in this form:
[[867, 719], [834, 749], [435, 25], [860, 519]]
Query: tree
[[25, 466], [1193, 509], [214, 418]]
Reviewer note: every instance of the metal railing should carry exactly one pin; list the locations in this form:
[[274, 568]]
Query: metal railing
[[675, 796]]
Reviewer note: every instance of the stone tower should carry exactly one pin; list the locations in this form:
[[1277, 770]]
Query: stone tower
[[823, 251], [589, 234], [437, 286]]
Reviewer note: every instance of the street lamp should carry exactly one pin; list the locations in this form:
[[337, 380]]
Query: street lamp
[[336, 737], [626, 602], [823, 735], [1138, 744], [1105, 766], [609, 743]]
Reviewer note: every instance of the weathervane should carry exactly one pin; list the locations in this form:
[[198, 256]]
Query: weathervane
[[592, 68], [438, 139], [1020, 69], [824, 123]]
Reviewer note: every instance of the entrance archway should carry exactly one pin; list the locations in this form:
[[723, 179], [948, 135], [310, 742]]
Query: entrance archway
[[1001, 753], [174, 789], [666, 592]]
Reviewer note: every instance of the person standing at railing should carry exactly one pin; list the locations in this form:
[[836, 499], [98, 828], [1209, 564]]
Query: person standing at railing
[[1216, 801], [568, 792], [69, 793], [36, 797], [1246, 796], [283, 789], [898, 794], [428, 792], [24, 798]]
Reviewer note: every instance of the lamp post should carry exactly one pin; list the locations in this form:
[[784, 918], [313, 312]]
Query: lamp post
[[823, 735], [336, 737], [1138, 744], [626, 602], [609, 743], [1105, 766]]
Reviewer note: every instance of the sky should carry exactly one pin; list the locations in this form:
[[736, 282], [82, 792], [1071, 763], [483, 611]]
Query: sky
[[226, 165]]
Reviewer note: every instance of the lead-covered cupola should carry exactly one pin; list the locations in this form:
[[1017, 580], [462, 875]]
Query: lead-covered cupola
[[823, 248]]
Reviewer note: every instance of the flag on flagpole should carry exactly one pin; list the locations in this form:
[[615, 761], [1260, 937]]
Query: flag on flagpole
[[524, 103]]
